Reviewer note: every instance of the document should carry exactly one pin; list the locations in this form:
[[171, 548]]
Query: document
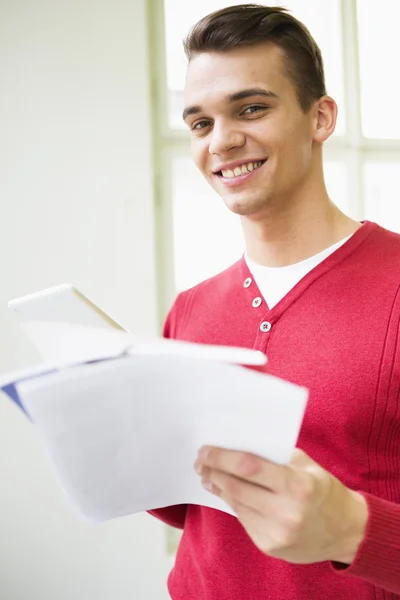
[[123, 426]]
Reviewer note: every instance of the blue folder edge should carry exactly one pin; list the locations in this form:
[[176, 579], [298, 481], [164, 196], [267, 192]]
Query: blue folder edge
[[12, 393], [11, 389]]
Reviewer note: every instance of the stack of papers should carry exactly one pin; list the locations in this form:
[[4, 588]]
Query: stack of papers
[[123, 420]]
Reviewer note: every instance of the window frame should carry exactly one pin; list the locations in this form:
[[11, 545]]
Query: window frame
[[353, 148]]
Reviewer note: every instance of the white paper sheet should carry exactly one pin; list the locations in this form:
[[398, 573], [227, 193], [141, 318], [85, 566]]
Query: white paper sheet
[[71, 343], [66, 343], [124, 434]]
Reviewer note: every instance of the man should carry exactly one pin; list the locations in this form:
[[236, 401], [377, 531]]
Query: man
[[319, 294]]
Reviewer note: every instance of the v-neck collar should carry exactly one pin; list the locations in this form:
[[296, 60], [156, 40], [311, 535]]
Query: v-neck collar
[[318, 271]]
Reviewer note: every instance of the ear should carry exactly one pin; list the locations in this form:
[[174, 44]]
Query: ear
[[326, 111]]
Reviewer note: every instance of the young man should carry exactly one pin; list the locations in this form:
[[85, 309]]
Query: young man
[[319, 294]]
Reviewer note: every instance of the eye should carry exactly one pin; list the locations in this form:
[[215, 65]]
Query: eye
[[254, 108], [200, 125]]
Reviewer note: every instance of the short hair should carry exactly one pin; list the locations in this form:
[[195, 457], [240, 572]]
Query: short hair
[[252, 24]]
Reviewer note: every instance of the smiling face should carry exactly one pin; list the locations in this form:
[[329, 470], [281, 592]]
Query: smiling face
[[250, 138]]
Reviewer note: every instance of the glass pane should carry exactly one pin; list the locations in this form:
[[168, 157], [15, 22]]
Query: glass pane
[[207, 236], [337, 184], [379, 46], [321, 18], [381, 182]]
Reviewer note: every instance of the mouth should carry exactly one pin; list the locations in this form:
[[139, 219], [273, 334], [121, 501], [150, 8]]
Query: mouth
[[240, 173], [242, 169]]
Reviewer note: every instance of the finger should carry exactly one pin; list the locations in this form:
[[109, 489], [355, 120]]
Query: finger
[[238, 492], [274, 523], [244, 466]]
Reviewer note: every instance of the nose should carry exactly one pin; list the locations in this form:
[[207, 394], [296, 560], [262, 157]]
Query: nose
[[225, 137]]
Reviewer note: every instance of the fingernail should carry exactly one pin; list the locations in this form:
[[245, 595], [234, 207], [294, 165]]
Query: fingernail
[[198, 467], [207, 485], [203, 453]]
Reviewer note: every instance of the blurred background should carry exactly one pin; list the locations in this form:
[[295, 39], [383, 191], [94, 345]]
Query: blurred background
[[97, 189]]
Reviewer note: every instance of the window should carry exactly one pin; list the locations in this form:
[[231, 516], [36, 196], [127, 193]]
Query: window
[[382, 185], [362, 160]]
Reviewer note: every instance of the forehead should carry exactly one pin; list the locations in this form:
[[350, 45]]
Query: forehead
[[214, 74]]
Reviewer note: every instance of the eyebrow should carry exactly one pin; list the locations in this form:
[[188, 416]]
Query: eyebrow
[[242, 95]]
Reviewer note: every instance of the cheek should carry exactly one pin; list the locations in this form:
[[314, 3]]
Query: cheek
[[294, 150], [200, 155]]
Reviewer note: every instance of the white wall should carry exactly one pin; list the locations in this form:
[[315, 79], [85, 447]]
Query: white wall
[[75, 206]]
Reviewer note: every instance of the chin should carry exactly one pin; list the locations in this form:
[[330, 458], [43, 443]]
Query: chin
[[246, 207]]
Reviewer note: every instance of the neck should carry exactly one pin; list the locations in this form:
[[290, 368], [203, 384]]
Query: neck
[[300, 230]]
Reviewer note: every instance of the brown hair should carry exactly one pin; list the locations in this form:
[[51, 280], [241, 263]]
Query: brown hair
[[251, 24]]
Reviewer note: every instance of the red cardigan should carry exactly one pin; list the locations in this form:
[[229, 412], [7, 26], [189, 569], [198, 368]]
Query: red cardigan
[[337, 333]]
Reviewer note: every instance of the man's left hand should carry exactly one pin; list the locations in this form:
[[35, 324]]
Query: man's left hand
[[298, 512]]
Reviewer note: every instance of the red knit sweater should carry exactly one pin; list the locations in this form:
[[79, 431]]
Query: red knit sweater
[[337, 333]]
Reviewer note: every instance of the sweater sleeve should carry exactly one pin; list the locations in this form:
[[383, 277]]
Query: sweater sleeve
[[378, 557], [174, 516], [171, 515]]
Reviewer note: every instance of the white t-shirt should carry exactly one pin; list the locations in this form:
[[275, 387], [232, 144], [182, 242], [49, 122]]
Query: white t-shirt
[[275, 282]]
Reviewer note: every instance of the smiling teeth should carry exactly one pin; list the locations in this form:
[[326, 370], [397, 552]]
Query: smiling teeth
[[241, 170]]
